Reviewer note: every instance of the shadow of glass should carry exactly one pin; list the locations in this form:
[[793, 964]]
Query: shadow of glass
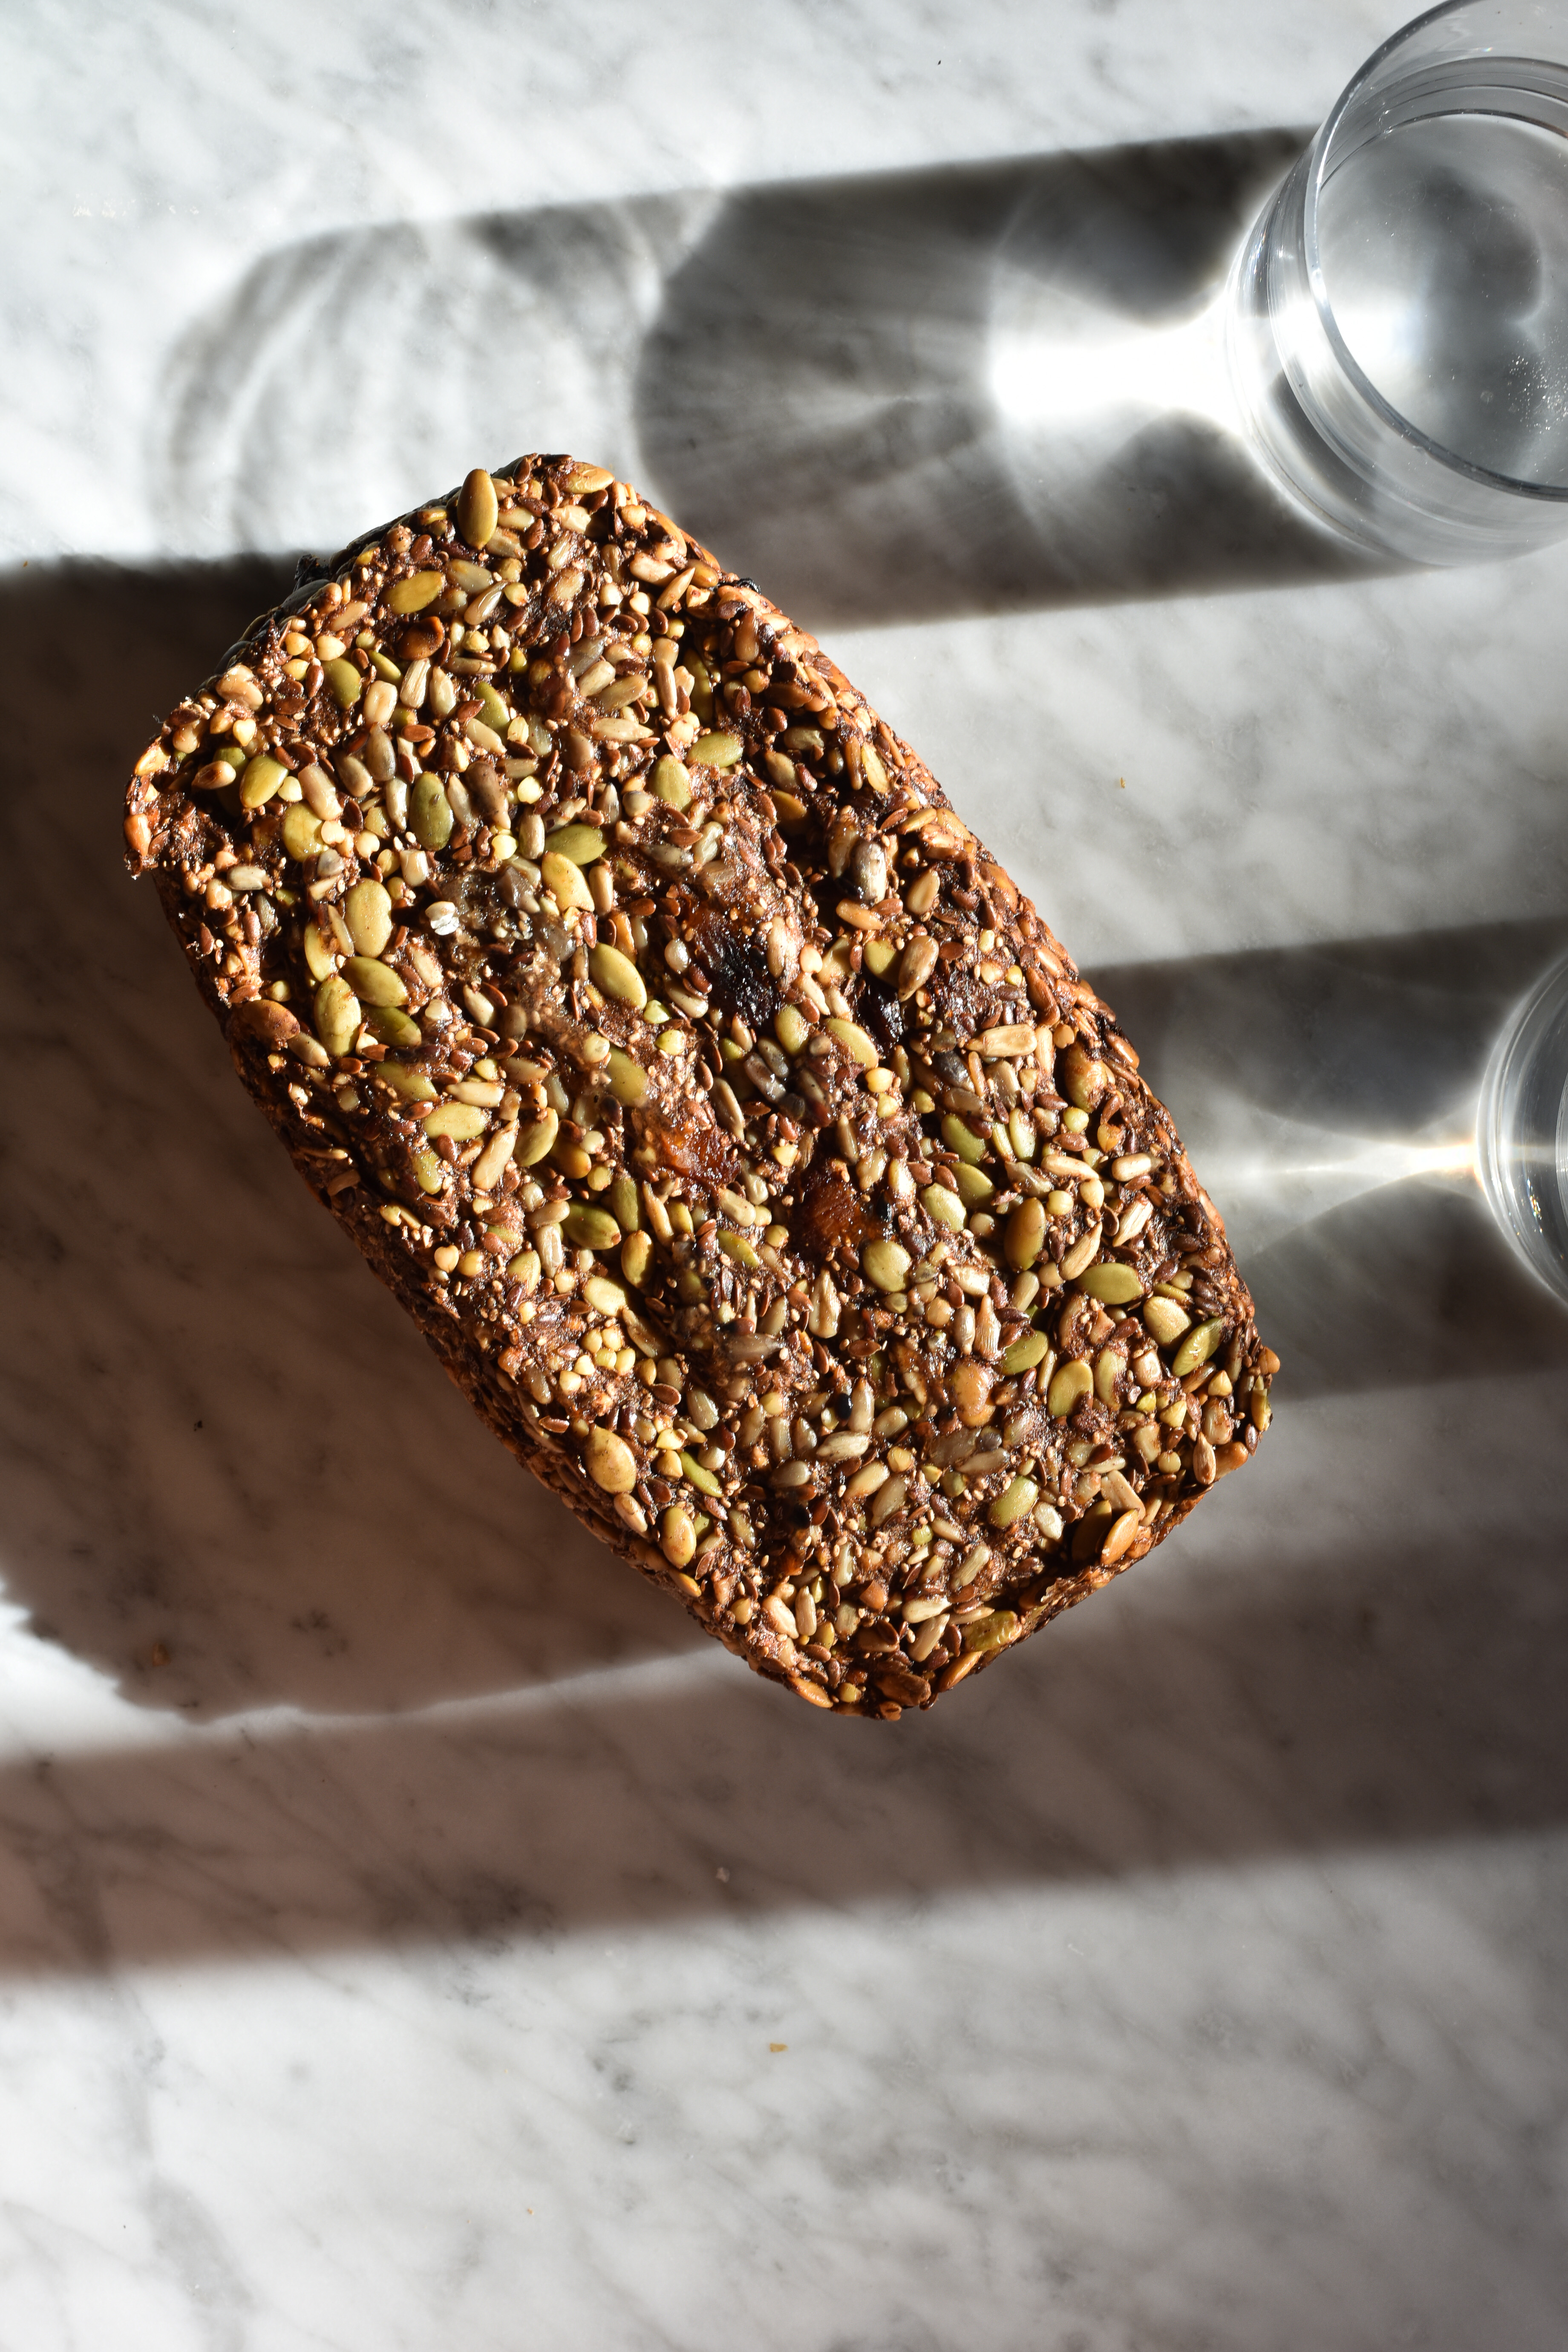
[[1314, 1087], [222, 1441], [894, 398], [974, 388]]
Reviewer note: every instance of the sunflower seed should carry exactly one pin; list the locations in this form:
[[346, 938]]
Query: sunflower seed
[[1080, 1255]]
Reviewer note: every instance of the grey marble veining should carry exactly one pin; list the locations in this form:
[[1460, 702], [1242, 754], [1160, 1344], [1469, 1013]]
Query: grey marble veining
[[412, 1933]]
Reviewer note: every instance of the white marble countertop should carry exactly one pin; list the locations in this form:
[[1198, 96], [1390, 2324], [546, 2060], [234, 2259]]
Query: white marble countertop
[[411, 1935]]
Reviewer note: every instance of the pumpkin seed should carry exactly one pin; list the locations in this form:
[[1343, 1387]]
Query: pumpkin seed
[[973, 1187], [791, 1029], [525, 1268], [478, 510], [1020, 1496], [618, 976], [1115, 1285], [462, 1121], [581, 843], [372, 982], [610, 1462], [1084, 1079], [429, 813], [718, 750], [591, 1229], [621, 1200], [969, 1385], [942, 1207], [536, 1139], [1164, 1320], [410, 1086], [426, 1166], [636, 1251], [302, 831], [693, 1471], [259, 779], [1025, 1236], [1032, 1349], [855, 1042], [993, 1631], [1121, 1533], [736, 1246], [367, 911], [963, 1139], [1198, 1346], [392, 1027], [412, 595], [670, 782], [337, 1016], [677, 1535], [343, 681], [1070, 1384], [886, 1264], [628, 1079], [565, 881]]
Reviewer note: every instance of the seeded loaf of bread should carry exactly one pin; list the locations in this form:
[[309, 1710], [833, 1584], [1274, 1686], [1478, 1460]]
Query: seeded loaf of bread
[[737, 1133]]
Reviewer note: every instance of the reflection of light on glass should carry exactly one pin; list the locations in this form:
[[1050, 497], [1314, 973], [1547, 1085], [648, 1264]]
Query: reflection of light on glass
[[1523, 1131], [1042, 377]]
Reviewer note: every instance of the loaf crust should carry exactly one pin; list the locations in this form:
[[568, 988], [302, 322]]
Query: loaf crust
[[737, 1133]]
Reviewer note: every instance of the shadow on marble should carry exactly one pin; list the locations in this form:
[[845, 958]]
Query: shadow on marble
[[1302, 1079], [986, 387], [890, 398], [1325, 1691], [222, 1441], [235, 1478]]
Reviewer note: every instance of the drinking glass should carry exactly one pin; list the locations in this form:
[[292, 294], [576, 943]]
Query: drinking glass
[[1521, 1135], [1396, 323]]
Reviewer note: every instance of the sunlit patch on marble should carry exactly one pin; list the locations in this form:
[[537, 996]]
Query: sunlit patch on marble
[[1297, 1184], [1058, 364], [55, 1705]]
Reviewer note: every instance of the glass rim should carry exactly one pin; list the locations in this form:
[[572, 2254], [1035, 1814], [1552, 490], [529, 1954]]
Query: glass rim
[[1316, 157]]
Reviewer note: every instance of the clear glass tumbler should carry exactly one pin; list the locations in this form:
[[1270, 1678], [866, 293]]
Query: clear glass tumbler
[[1521, 1133], [1397, 320]]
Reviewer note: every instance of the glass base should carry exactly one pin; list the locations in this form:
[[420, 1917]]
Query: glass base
[[1522, 1134]]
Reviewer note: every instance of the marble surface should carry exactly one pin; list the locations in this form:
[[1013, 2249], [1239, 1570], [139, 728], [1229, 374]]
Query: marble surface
[[411, 1934]]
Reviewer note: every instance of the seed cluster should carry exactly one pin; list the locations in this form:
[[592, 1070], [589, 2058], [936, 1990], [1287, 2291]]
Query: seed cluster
[[735, 1129]]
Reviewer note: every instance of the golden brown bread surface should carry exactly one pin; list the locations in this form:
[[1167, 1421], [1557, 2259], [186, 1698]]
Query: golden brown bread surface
[[737, 1133]]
